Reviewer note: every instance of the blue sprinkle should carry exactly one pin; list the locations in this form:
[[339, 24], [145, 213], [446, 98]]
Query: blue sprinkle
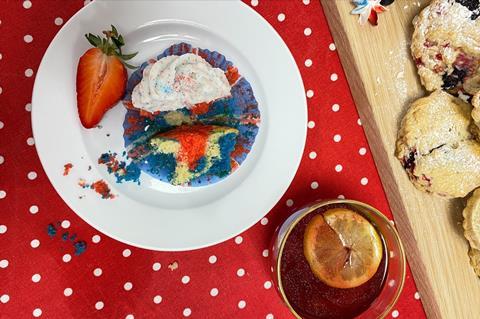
[[52, 231], [65, 236], [80, 247], [72, 238]]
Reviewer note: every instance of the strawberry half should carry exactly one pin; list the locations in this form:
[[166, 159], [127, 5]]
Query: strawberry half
[[101, 76]]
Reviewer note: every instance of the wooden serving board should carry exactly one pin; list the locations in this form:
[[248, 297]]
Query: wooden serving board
[[383, 81]]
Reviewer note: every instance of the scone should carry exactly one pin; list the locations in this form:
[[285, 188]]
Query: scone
[[471, 221], [446, 46], [475, 260], [436, 147]]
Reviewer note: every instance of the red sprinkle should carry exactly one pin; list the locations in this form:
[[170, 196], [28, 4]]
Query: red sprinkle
[[66, 168]]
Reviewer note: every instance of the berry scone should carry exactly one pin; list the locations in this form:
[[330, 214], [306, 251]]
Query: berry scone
[[436, 147], [446, 46], [471, 225]]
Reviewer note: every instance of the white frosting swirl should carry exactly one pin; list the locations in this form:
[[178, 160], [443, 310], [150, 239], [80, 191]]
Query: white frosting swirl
[[174, 82]]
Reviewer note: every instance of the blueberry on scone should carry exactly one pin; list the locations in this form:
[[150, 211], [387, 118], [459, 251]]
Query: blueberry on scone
[[446, 46]]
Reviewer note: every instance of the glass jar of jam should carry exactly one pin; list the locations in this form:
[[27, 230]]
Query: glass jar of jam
[[307, 294]]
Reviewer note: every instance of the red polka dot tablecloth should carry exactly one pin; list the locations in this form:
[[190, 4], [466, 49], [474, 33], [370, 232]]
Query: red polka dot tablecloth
[[40, 276]]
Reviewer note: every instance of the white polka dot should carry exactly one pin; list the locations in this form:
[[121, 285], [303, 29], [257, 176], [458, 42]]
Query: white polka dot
[[269, 316], [307, 31], [341, 196], [359, 122], [1, 89], [30, 141], [395, 313], [4, 298], [33, 209], [31, 175], [254, 3], [157, 299], [1, 125], [96, 239], [28, 107], [129, 316], [314, 185], [338, 168], [1, 56], [36, 278], [28, 73], [126, 253], [265, 253], [312, 155], [2, 159], [392, 282], [289, 202], [58, 21], [156, 266], [97, 272], [264, 221], [362, 151], [65, 224], [27, 38], [416, 295], [99, 305], [311, 124], [241, 304], [35, 243], [212, 259], [37, 312], [128, 286], [334, 76], [68, 292], [281, 17], [306, 2], [267, 284], [185, 280], [27, 4], [332, 46], [310, 93], [308, 63], [3, 229], [238, 240], [3, 194], [3, 263], [240, 272], [66, 258], [364, 181], [187, 312], [214, 292], [337, 138], [335, 107]]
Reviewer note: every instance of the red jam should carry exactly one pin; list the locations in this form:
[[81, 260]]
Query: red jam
[[310, 297]]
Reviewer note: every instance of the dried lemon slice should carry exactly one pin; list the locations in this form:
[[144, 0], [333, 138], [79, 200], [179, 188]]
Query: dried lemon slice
[[342, 248], [471, 222]]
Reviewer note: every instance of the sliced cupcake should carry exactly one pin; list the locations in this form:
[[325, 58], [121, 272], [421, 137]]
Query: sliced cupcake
[[190, 152]]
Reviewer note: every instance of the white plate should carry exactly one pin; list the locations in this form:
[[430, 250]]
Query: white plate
[[157, 215]]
